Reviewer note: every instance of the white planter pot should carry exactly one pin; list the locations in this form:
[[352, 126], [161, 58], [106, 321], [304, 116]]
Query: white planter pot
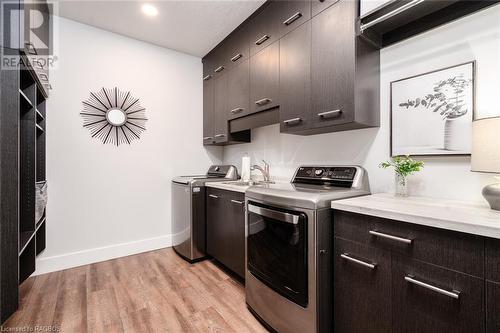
[[457, 135]]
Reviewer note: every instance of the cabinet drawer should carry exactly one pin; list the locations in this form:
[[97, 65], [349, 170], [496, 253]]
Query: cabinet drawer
[[237, 48], [362, 294], [264, 28], [453, 250], [292, 14], [427, 298], [318, 6], [492, 254]]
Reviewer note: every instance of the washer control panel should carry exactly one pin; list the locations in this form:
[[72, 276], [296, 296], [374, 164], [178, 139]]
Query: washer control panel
[[324, 174]]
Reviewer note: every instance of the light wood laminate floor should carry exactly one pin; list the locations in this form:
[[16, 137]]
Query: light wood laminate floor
[[150, 292]]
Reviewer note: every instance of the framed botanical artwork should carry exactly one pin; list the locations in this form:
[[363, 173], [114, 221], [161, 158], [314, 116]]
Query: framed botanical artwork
[[432, 113]]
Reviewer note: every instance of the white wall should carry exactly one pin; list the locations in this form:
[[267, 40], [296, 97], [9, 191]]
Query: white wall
[[476, 37], [107, 201]]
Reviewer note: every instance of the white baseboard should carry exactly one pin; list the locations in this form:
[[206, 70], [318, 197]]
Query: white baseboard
[[85, 257]]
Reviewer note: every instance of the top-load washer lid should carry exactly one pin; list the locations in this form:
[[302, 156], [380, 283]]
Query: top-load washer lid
[[314, 187], [214, 173]]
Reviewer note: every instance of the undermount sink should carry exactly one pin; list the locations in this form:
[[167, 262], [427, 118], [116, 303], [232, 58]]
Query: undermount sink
[[248, 183]]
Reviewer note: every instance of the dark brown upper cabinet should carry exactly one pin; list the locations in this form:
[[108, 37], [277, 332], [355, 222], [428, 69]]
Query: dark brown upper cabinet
[[295, 80], [344, 72], [264, 29], [291, 14], [238, 90], [318, 6], [264, 78]]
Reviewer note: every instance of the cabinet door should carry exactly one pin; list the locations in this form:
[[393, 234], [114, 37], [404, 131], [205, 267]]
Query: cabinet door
[[319, 5], [208, 111], [295, 80], [264, 29], [264, 79], [236, 223], [362, 288], [217, 232], [333, 65], [292, 14], [428, 298], [238, 90], [220, 105]]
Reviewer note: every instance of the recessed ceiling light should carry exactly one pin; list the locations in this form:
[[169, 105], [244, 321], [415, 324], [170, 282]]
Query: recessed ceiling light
[[149, 10]]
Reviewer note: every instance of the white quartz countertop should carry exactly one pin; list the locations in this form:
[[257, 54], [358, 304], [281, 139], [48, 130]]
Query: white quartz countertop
[[226, 185], [445, 214]]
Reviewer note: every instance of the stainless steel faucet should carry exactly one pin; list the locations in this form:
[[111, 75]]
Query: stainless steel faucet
[[264, 170]]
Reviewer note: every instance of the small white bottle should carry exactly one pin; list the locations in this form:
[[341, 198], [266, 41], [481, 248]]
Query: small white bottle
[[245, 168]]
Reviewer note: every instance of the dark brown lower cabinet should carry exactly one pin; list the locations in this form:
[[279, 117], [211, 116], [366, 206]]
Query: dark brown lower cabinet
[[382, 287], [428, 298], [362, 281], [226, 228]]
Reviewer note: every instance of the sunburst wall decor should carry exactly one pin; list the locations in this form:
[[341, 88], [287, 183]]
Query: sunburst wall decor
[[114, 116]]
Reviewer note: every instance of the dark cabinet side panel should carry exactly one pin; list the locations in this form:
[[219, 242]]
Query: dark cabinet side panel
[[333, 65], [264, 79], [362, 295], [295, 79]]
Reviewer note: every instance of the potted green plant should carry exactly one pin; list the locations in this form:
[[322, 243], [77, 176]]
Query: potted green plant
[[403, 166]]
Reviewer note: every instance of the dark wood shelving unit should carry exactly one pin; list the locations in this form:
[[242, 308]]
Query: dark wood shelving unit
[[32, 118]]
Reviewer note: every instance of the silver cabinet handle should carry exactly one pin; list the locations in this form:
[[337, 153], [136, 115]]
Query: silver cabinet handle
[[347, 257], [237, 110], [263, 101], [31, 48], [207, 138], [219, 135], [261, 40], [208, 77], [330, 114], [292, 18], [236, 57], [213, 196], [219, 69], [391, 237], [274, 214], [292, 121], [387, 16], [450, 293], [237, 202]]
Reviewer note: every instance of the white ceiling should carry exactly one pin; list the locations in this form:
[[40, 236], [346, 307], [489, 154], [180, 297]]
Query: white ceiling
[[190, 26]]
